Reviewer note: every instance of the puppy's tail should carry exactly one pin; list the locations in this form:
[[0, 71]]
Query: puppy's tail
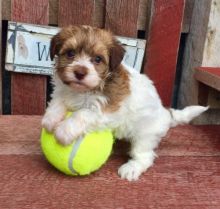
[[186, 115]]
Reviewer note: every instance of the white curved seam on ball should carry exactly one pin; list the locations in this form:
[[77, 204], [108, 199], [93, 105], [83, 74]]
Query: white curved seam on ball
[[73, 154]]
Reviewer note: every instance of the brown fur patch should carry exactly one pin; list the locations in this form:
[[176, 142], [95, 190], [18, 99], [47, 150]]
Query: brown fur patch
[[87, 41], [116, 89]]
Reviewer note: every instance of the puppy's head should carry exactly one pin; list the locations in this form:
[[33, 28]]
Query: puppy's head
[[86, 56]]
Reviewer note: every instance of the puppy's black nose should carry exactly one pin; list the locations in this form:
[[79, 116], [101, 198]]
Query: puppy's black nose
[[80, 72]]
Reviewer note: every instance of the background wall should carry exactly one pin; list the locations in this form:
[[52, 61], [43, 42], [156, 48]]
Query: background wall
[[201, 49], [199, 42]]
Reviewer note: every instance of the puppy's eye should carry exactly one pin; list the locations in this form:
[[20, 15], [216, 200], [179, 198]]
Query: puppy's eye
[[97, 59], [70, 53]]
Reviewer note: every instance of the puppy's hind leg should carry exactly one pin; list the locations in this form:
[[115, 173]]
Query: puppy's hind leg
[[142, 157]]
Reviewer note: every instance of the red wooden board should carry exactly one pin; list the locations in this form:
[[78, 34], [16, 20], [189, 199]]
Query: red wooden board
[[28, 92], [163, 44], [75, 12], [121, 17], [209, 76], [185, 175], [211, 70], [173, 183]]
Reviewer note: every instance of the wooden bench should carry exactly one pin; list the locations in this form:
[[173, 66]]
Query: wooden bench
[[207, 77], [185, 175]]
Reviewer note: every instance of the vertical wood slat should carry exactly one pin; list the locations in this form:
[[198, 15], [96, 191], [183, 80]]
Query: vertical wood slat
[[163, 44], [0, 57], [28, 92], [76, 12], [122, 16]]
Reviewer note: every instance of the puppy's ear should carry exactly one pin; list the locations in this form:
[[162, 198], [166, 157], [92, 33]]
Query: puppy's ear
[[117, 53], [55, 45]]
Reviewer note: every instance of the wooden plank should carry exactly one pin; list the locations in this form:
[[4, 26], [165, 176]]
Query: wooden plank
[[99, 14], [180, 141], [187, 15], [6, 9], [163, 44], [99, 11], [1, 58], [209, 79], [186, 174], [28, 93], [25, 137], [193, 55], [143, 14], [75, 12], [121, 17], [178, 182], [53, 12], [208, 76]]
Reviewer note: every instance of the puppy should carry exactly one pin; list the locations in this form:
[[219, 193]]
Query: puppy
[[104, 93]]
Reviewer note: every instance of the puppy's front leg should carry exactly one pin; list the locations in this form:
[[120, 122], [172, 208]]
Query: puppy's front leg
[[76, 125], [54, 114]]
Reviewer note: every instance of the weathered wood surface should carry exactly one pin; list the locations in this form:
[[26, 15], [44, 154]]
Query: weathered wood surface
[[121, 17], [20, 135], [28, 92], [193, 53], [181, 182], [208, 76], [75, 12], [99, 13], [209, 88], [201, 50], [187, 15], [0, 57], [185, 175], [163, 44]]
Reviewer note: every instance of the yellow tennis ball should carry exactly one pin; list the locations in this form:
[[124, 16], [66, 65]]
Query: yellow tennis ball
[[83, 156]]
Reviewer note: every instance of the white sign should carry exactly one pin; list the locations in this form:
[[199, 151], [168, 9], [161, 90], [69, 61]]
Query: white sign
[[28, 49]]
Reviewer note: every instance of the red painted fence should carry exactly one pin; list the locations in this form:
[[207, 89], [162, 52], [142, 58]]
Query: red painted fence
[[28, 92]]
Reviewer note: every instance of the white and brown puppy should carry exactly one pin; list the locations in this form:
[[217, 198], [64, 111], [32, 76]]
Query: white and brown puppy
[[91, 81]]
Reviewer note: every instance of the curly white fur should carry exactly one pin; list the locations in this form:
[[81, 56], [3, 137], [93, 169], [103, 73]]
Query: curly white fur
[[141, 119]]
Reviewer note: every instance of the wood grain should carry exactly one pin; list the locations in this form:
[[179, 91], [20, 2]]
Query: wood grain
[[209, 80], [209, 76], [185, 175], [28, 92], [121, 17], [180, 182], [193, 54], [75, 12], [163, 44], [99, 13], [180, 141], [1, 58], [187, 15], [53, 12]]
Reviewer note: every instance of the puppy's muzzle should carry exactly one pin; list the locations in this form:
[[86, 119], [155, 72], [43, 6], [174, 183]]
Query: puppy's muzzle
[[80, 72]]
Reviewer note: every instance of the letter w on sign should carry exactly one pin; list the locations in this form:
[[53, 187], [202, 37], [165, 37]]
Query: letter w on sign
[[28, 49]]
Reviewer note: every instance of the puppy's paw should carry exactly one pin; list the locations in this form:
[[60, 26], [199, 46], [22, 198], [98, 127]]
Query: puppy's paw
[[130, 170], [49, 122], [67, 131]]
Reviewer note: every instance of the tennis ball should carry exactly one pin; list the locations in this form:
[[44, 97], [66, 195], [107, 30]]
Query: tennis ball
[[83, 156]]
